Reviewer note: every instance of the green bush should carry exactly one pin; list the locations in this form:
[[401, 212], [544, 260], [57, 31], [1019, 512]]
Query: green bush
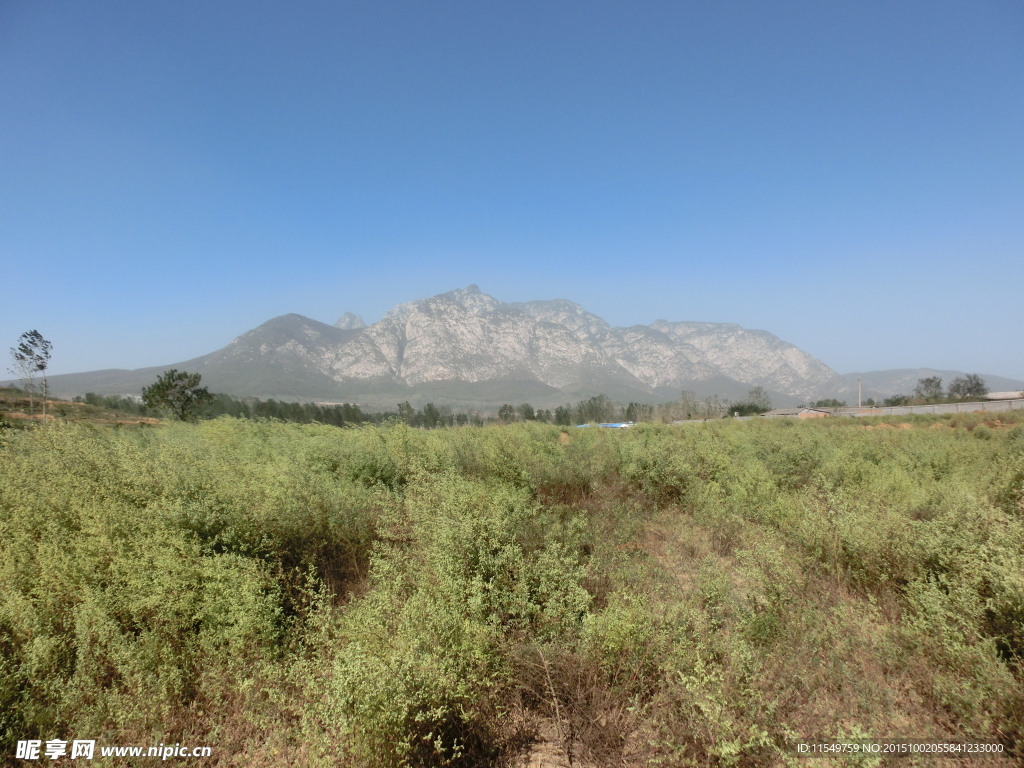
[[686, 595]]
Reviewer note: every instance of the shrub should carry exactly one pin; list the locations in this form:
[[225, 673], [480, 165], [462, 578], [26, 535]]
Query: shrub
[[689, 595]]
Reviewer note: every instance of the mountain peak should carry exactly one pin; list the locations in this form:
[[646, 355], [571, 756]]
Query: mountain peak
[[467, 347], [471, 299], [349, 321], [566, 313]]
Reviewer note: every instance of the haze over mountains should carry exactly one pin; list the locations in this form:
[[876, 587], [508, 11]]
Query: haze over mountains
[[466, 348]]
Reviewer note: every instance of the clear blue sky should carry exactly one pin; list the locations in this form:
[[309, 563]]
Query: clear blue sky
[[849, 176]]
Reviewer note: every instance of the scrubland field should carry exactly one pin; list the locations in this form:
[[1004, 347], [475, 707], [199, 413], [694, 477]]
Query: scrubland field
[[692, 595]]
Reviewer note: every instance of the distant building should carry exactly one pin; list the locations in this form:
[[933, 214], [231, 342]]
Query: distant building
[[853, 410], [1004, 395], [798, 413]]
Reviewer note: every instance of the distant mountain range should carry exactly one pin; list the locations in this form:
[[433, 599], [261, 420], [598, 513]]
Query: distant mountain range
[[467, 349]]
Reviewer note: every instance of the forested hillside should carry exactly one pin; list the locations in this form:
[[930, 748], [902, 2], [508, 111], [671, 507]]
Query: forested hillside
[[380, 596]]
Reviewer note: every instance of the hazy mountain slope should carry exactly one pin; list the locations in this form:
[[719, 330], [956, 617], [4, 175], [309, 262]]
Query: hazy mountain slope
[[292, 356], [656, 359], [465, 335], [467, 348], [757, 357], [661, 355], [567, 314], [289, 356]]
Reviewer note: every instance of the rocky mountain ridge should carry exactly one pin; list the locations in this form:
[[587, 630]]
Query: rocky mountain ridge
[[466, 348], [469, 337]]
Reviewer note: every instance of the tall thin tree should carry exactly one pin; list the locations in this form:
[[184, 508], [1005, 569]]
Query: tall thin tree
[[31, 356]]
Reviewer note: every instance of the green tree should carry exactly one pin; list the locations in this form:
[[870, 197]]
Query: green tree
[[178, 391], [31, 356], [757, 402], [639, 412], [526, 412], [507, 413], [830, 402], [597, 409], [563, 415], [929, 388], [969, 387], [758, 397], [406, 412], [895, 400], [431, 416]]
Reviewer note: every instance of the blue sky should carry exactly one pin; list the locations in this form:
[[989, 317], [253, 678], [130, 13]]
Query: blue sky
[[847, 176]]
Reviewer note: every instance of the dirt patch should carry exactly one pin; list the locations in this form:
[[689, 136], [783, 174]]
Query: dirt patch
[[31, 416], [16, 415], [547, 752]]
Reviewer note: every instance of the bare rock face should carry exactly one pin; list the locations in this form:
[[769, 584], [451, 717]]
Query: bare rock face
[[757, 357], [468, 337], [469, 349], [348, 321]]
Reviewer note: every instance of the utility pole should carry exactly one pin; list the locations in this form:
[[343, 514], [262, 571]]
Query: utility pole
[[859, 392]]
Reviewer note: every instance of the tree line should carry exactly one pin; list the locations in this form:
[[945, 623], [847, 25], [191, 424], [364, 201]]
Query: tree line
[[180, 395], [929, 390], [600, 409], [220, 404]]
